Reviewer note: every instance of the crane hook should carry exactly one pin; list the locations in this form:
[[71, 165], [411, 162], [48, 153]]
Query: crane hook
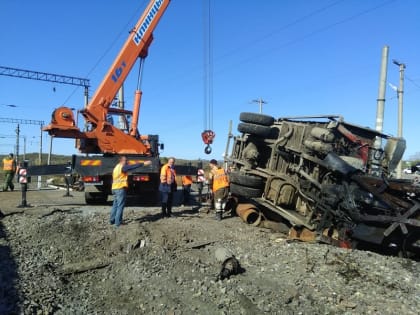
[[208, 136], [207, 149]]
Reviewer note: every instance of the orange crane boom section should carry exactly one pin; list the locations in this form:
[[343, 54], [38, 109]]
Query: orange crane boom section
[[106, 137]]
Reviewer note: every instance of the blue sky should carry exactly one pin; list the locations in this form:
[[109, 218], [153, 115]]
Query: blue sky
[[302, 57]]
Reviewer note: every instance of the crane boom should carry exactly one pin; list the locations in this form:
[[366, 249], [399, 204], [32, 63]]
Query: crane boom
[[136, 46], [103, 136]]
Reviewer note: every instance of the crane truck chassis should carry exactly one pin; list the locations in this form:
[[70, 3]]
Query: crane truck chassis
[[327, 176], [95, 172]]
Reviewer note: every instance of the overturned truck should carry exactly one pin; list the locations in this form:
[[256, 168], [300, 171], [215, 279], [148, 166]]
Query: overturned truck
[[330, 177]]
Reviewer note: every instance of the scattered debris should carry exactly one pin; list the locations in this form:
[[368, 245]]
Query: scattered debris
[[230, 265], [84, 266]]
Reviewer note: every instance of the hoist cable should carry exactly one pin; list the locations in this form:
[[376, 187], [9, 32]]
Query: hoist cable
[[210, 69], [207, 66]]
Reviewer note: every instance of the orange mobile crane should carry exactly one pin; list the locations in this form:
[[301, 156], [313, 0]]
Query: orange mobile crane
[[101, 140]]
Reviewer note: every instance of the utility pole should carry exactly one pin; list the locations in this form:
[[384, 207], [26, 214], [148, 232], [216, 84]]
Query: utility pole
[[24, 148], [31, 122], [400, 92], [260, 102], [381, 96], [17, 144]]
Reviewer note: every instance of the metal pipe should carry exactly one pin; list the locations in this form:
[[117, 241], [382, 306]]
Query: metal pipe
[[226, 153], [248, 213]]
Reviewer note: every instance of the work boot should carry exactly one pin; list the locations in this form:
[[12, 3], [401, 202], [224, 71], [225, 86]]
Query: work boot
[[219, 216], [163, 210]]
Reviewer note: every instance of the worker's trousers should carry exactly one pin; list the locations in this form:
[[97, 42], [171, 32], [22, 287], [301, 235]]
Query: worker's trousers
[[8, 181], [118, 206], [166, 198]]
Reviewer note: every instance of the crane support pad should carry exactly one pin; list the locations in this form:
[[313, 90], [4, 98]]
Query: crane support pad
[[58, 169], [103, 165], [186, 170]]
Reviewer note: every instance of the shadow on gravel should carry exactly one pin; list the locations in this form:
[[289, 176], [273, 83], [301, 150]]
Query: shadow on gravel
[[133, 201], [10, 298], [190, 210], [149, 218], [158, 216]]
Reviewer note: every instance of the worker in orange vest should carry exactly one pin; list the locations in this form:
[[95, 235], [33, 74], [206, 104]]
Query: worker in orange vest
[[9, 169], [219, 183], [167, 186], [119, 188], [186, 188]]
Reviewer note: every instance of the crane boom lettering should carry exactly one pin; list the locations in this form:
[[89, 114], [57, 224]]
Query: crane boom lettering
[[138, 36]]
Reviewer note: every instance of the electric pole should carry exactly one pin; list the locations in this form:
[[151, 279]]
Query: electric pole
[[31, 122], [260, 102], [400, 92], [17, 144], [381, 96]]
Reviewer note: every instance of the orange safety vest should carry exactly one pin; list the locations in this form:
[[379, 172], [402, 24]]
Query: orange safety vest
[[8, 164], [167, 174], [220, 179], [119, 178], [187, 180]]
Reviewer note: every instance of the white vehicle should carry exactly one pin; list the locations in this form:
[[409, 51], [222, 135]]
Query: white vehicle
[[407, 170]]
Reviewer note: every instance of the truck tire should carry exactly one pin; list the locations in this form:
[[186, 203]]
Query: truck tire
[[245, 179], [258, 119], [95, 198], [253, 129], [244, 191]]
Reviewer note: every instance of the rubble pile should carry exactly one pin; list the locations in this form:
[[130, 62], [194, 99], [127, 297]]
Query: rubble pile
[[67, 259]]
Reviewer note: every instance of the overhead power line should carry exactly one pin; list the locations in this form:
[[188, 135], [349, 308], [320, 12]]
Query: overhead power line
[[43, 76], [50, 77], [305, 36], [412, 82]]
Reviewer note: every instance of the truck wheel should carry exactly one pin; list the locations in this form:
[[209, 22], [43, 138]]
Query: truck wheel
[[245, 179], [244, 191], [258, 119], [253, 129], [95, 198]]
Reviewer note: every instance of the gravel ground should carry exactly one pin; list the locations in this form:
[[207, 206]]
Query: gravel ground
[[60, 256]]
